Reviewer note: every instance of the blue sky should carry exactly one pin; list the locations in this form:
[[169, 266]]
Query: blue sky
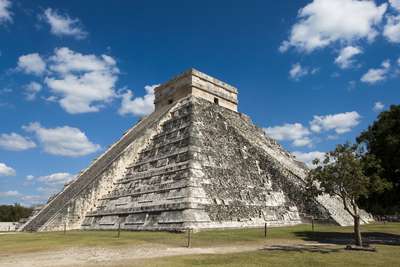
[[75, 75]]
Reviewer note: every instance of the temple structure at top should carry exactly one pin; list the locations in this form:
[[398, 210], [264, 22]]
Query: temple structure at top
[[198, 84]]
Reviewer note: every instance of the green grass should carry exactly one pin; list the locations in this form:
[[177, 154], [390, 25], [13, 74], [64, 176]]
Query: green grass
[[386, 256], [385, 237], [30, 242]]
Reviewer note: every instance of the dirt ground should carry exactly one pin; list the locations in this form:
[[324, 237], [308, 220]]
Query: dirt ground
[[92, 256], [107, 256]]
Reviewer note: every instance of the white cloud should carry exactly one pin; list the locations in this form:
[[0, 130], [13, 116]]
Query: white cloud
[[51, 98], [26, 199], [285, 45], [82, 82], [308, 157], [15, 142], [306, 141], [32, 64], [6, 170], [47, 185], [345, 57], [33, 199], [63, 141], [10, 193], [375, 75], [139, 106], [65, 61], [340, 123], [31, 90], [386, 64], [5, 13], [5, 91], [351, 85], [296, 132], [80, 93], [332, 137], [56, 178], [324, 22], [378, 106], [297, 71], [63, 25], [79, 83], [392, 29], [314, 71], [395, 4]]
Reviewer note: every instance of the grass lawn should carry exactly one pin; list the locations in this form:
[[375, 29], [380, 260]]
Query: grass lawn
[[386, 256], [385, 237]]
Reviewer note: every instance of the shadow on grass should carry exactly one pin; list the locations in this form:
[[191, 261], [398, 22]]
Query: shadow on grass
[[339, 238], [302, 248]]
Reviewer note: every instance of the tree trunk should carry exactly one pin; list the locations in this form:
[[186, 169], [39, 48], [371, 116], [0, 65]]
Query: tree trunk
[[357, 231]]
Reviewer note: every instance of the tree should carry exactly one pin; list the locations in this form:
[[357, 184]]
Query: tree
[[13, 213], [348, 174], [382, 141]]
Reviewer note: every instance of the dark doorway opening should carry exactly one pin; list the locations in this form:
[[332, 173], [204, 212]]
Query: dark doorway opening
[[216, 101]]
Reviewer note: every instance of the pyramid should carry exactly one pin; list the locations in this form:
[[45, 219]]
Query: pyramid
[[195, 162]]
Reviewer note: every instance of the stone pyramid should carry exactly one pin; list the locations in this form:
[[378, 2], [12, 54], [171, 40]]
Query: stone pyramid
[[195, 162]]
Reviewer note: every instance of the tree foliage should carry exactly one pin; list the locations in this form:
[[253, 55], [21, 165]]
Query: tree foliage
[[349, 175], [13, 213], [382, 141]]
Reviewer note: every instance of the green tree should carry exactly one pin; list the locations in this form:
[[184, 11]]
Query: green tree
[[13, 213], [382, 141], [342, 173]]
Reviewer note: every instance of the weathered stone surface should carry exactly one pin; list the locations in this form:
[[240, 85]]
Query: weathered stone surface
[[8, 226], [198, 84], [191, 164]]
